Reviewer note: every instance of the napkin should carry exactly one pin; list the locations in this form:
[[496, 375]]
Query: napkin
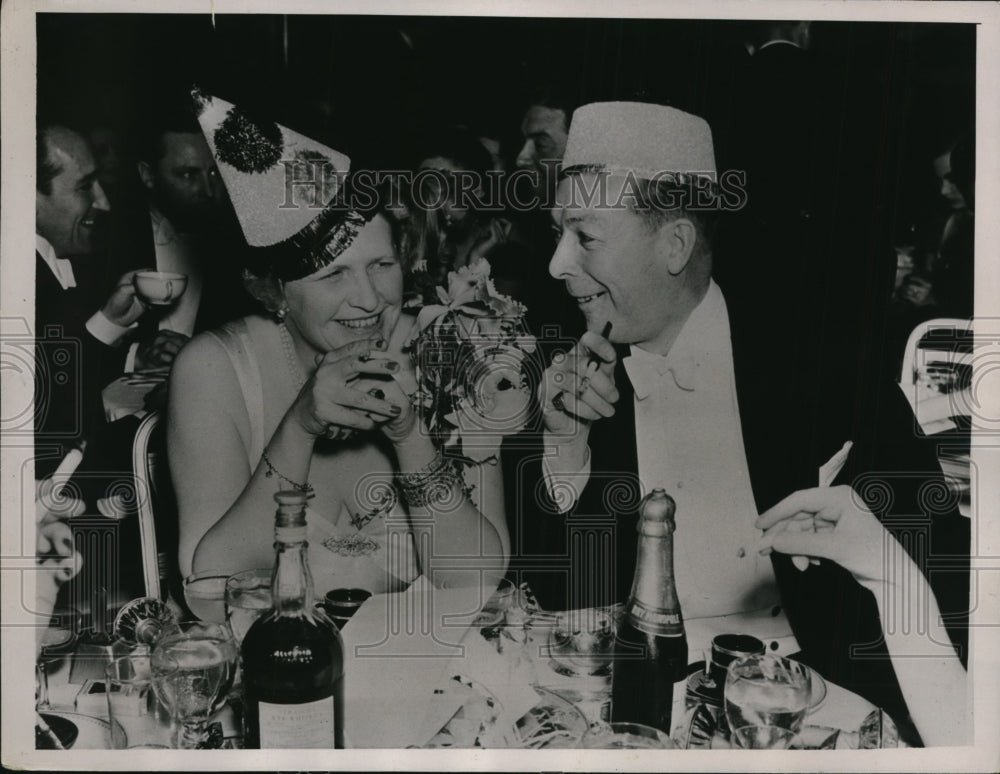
[[481, 663], [399, 649]]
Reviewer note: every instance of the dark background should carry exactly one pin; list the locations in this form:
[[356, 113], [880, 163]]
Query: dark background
[[878, 103], [365, 84]]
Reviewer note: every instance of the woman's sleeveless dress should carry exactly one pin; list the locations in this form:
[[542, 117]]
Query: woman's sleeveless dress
[[379, 556]]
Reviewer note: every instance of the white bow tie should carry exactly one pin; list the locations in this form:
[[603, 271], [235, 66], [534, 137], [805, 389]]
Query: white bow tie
[[646, 372]]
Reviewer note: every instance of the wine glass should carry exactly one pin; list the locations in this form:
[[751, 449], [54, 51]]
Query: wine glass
[[193, 666], [205, 594], [625, 736], [582, 642], [766, 700], [248, 597]]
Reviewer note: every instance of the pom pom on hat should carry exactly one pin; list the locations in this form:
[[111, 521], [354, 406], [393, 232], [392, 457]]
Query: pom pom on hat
[[279, 181]]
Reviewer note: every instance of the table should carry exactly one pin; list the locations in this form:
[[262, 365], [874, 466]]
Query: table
[[400, 649]]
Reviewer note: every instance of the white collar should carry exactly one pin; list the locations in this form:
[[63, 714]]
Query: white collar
[[61, 268], [705, 327]]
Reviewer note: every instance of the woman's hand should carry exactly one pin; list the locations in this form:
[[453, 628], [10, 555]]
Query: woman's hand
[[831, 523], [335, 398], [396, 391]]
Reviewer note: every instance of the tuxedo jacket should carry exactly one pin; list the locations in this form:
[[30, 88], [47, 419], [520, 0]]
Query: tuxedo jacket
[[795, 415], [69, 363]]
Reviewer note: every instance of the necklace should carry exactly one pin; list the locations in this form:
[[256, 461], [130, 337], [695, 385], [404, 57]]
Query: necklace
[[291, 360]]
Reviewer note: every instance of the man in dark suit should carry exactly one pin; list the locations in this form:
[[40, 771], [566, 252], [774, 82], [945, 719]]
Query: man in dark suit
[[707, 395], [78, 324], [179, 220]]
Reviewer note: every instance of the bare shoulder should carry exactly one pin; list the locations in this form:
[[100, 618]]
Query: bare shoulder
[[204, 367]]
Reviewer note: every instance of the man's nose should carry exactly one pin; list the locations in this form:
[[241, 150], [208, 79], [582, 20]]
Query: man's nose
[[526, 156], [100, 199], [563, 261]]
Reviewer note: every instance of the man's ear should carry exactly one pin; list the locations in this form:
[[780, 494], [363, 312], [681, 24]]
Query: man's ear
[[675, 242], [145, 174]]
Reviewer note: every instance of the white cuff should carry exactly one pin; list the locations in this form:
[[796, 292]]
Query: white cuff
[[564, 487], [133, 349], [105, 331]]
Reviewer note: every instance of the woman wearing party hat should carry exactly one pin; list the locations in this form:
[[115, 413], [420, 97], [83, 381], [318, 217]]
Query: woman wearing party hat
[[318, 395]]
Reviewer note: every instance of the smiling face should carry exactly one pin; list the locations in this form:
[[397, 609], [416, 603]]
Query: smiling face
[[65, 216], [358, 296], [618, 268]]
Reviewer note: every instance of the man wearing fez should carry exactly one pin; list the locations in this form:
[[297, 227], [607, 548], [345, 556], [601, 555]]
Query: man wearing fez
[[680, 385]]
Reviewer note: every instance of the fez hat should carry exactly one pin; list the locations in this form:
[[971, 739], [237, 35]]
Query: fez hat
[[645, 139]]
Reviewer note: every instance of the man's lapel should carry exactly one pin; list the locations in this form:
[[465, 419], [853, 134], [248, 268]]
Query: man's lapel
[[771, 393]]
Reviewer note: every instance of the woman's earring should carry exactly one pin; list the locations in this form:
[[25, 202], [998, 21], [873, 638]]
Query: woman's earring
[[280, 314]]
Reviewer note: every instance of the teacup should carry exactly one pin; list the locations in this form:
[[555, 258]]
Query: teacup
[[159, 287]]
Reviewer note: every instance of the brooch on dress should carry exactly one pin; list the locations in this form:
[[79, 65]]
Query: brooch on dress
[[351, 545]]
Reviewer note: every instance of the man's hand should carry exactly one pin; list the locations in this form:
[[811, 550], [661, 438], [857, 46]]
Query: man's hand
[[574, 391], [123, 307], [159, 351]]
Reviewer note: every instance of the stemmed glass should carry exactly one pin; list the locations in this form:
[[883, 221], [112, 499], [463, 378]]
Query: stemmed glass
[[248, 597], [205, 594], [766, 700], [193, 666]]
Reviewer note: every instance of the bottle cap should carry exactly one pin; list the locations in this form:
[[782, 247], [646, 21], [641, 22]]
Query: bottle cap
[[656, 514], [291, 509], [658, 505]]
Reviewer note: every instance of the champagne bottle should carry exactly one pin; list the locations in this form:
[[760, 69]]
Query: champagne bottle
[[293, 657], [651, 647]]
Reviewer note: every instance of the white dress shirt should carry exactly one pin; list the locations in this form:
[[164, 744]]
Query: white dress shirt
[[99, 326], [690, 443], [178, 253]]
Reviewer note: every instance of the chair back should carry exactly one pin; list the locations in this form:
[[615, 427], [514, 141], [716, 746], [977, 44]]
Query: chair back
[[936, 378], [156, 506], [937, 373]]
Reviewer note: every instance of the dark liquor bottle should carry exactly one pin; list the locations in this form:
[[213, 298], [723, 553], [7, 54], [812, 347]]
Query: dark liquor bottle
[[293, 657], [651, 647]]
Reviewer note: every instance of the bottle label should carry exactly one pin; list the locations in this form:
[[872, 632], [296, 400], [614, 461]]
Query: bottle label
[[656, 620], [288, 726]]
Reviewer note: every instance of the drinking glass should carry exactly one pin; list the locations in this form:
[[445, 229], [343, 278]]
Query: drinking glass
[[193, 666], [136, 716], [582, 642], [205, 594], [625, 736], [766, 700], [248, 597]]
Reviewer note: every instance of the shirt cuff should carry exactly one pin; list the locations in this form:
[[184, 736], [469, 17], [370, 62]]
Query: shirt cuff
[[130, 357], [564, 487], [105, 331]]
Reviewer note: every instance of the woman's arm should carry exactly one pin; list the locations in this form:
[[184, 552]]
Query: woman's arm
[[225, 504], [831, 523], [228, 506], [457, 543]]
